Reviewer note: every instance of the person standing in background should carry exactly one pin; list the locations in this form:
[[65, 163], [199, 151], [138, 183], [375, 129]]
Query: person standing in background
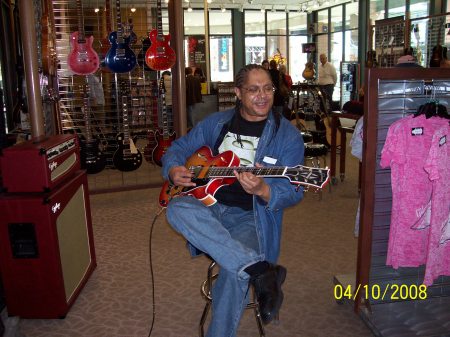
[[265, 64], [193, 95], [327, 77], [287, 78], [167, 79], [278, 99]]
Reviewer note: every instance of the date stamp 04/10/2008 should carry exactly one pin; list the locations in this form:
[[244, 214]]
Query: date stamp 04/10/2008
[[388, 292]]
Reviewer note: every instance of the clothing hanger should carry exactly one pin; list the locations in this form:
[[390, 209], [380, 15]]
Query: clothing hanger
[[432, 108]]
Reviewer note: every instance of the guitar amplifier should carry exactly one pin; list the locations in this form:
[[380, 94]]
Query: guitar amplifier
[[39, 164], [47, 249]]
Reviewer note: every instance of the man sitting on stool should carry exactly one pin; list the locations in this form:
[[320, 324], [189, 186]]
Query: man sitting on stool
[[242, 230]]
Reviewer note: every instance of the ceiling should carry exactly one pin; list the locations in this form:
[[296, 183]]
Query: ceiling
[[292, 5]]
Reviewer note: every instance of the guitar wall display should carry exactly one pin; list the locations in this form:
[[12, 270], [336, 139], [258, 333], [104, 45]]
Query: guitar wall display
[[159, 56], [164, 139], [82, 60], [145, 44], [92, 158], [120, 58], [127, 157], [212, 172], [151, 136]]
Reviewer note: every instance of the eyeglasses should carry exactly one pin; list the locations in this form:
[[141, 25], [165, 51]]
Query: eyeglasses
[[266, 90]]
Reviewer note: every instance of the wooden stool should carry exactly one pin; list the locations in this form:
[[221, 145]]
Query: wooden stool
[[205, 290]]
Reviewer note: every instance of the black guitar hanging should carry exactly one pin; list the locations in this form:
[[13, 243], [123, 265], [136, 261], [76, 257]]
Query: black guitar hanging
[[127, 157], [92, 158]]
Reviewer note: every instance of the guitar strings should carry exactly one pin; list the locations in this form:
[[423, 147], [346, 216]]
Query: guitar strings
[[152, 278]]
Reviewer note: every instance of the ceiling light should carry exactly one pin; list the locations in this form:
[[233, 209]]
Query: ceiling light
[[262, 9], [222, 8], [189, 7], [133, 9], [167, 1], [97, 10], [186, 0], [241, 8], [209, 1]]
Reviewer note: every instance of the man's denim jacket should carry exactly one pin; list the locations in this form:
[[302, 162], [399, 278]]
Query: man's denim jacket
[[283, 148]]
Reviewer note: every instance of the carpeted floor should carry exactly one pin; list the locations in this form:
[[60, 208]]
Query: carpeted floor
[[318, 243]]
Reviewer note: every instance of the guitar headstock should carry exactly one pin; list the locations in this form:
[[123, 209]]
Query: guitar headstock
[[308, 176]]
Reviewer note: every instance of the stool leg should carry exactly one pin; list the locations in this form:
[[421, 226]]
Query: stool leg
[[259, 322], [203, 319]]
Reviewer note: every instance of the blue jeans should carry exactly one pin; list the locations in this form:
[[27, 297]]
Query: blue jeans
[[228, 235], [190, 116]]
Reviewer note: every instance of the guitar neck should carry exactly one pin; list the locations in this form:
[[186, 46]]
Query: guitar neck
[[119, 23], [126, 125], [159, 26], [165, 120], [81, 37], [222, 172], [108, 17], [87, 121], [302, 175]]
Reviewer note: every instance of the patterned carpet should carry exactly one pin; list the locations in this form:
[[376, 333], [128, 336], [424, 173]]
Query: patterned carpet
[[318, 243]]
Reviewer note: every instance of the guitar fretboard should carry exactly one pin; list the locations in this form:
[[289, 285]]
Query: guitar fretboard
[[216, 172], [81, 37], [159, 22], [120, 39]]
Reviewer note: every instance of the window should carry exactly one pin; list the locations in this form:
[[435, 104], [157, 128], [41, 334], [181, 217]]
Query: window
[[351, 46], [255, 49], [276, 23], [297, 59], [221, 58], [336, 19], [396, 8], [298, 26], [322, 22], [220, 43], [351, 15], [419, 8], [220, 22], [254, 22]]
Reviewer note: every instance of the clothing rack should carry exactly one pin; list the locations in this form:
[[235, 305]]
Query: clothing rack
[[393, 94]]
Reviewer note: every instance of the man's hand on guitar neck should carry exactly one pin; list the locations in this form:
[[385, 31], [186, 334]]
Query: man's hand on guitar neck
[[181, 176], [253, 184]]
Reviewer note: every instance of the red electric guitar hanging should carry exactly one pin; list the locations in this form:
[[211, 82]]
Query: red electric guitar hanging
[[159, 56], [82, 60], [165, 139]]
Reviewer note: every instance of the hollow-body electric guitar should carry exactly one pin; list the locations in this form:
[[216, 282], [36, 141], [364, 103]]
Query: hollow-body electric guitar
[[212, 172], [82, 60]]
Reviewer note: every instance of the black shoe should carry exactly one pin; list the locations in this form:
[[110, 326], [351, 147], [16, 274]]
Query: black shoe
[[268, 291]]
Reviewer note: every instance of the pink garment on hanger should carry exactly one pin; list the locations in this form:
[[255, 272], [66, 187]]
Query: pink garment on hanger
[[438, 168], [405, 152]]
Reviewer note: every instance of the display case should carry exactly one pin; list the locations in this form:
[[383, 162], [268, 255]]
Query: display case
[[226, 97]]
